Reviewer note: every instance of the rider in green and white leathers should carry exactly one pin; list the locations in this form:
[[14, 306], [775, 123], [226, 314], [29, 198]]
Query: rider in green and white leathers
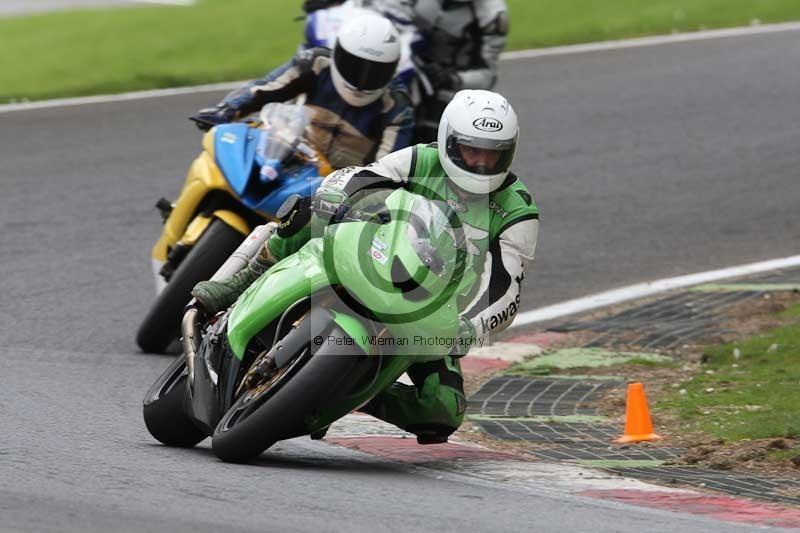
[[500, 221]]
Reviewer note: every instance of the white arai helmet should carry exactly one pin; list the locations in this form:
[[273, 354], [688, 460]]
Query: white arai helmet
[[365, 58], [483, 123]]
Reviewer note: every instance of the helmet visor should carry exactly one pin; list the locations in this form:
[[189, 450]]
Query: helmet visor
[[482, 156], [363, 74]]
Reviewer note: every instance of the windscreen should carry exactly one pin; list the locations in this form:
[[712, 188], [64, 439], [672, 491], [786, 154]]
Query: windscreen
[[284, 125]]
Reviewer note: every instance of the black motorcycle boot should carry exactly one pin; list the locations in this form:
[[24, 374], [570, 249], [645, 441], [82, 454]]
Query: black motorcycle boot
[[318, 435], [214, 296]]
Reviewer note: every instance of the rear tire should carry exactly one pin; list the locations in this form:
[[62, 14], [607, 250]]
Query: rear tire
[[312, 380], [164, 412], [161, 326]]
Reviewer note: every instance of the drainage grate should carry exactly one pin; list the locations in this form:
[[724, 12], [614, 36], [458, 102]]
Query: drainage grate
[[779, 276], [582, 441], [547, 432], [665, 323], [507, 407], [604, 452], [527, 397], [575, 438], [773, 489]]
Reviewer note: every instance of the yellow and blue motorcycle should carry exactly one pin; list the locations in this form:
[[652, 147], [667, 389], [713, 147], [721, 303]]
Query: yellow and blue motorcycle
[[238, 182]]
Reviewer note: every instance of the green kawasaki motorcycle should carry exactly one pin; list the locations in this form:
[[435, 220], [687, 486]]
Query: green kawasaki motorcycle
[[321, 333]]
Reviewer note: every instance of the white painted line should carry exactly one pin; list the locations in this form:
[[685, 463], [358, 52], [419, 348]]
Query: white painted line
[[642, 290], [650, 41], [110, 98], [559, 478], [506, 56], [363, 425]]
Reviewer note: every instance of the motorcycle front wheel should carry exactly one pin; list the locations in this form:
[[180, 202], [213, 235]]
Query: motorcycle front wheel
[[279, 409], [161, 326]]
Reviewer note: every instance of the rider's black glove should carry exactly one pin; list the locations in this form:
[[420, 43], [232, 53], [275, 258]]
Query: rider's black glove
[[207, 118], [440, 77], [310, 6]]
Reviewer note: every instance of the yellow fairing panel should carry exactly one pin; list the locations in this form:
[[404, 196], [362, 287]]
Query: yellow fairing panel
[[195, 229], [200, 223], [234, 220], [202, 178]]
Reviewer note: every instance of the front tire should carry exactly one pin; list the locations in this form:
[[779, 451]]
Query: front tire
[[161, 326], [164, 412], [254, 423]]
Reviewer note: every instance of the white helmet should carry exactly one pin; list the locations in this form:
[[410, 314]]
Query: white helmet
[[482, 123], [365, 57]]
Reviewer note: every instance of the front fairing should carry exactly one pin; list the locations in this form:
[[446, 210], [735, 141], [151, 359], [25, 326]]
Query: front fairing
[[296, 277], [365, 272], [361, 258], [385, 269], [234, 152], [236, 155]]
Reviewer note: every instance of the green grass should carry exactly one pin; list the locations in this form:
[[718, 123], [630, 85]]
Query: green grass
[[757, 398], [520, 369], [792, 312], [780, 456], [640, 361], [549, 23], [104, 51], [577, 358]]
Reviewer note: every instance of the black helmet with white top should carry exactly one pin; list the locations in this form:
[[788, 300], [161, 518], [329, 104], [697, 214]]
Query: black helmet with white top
[[365, 58]]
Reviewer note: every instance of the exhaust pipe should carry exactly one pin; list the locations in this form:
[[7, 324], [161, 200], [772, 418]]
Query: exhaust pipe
[[190, 329]]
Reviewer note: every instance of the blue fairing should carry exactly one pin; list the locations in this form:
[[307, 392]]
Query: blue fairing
[[300, 179], [235, 152], [235, 155]]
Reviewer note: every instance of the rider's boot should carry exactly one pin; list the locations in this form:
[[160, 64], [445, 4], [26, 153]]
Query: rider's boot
[[432, 409], [214, 296], [319, 434]]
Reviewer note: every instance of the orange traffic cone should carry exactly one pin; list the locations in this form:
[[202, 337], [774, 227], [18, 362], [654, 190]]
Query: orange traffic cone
[[638, 426]]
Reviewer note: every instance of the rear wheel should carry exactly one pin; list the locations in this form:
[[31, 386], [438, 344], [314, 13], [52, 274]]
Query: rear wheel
[[164, 412], [279, 408], [161, 326]]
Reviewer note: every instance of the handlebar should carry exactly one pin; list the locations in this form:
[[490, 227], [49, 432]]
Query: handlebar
[[202, 124], [343, 213]]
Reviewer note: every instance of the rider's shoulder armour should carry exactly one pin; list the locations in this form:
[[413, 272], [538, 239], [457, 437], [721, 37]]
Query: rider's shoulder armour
[[425, 161], [312, 59], [513, 203]]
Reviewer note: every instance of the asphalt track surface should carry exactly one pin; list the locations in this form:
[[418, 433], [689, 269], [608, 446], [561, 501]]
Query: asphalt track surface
[[646, 163]]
